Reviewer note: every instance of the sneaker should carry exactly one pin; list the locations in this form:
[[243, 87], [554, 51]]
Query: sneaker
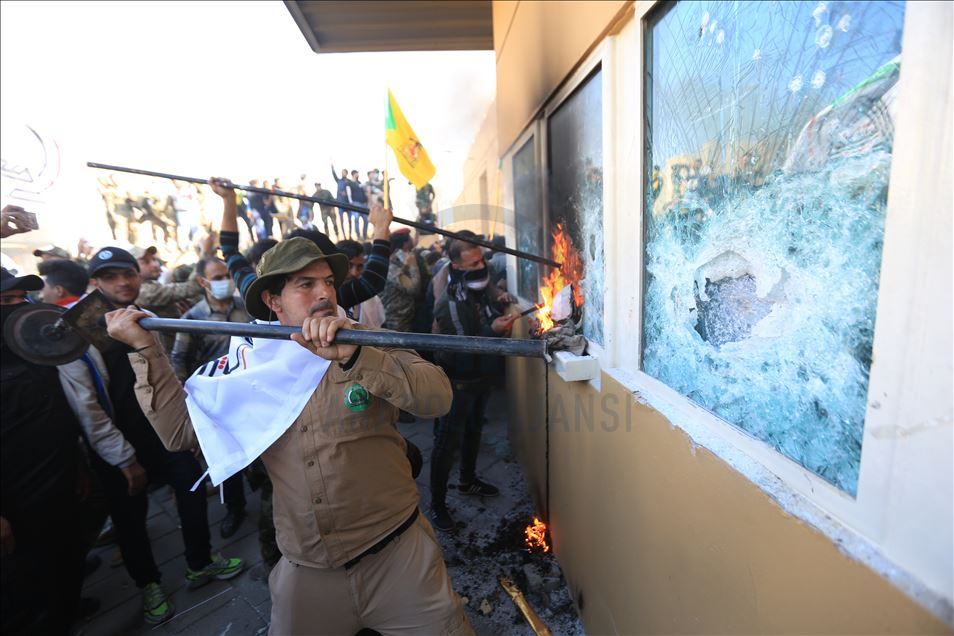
[[220, 569], [156, 608], [478, 488], [441, 518], [231, 523]]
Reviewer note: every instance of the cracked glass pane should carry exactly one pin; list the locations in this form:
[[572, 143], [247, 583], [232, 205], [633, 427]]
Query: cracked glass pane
[[769, 136]]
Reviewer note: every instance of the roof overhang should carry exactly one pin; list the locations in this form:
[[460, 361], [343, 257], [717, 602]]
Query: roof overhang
[[361, 26]]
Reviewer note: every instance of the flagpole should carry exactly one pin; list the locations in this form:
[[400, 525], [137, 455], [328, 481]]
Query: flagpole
[[387, 185]]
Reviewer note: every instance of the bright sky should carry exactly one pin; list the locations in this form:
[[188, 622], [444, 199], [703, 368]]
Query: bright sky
[[201, 88]]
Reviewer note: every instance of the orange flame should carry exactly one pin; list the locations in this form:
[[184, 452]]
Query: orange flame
[[571, 273], [536, 534]]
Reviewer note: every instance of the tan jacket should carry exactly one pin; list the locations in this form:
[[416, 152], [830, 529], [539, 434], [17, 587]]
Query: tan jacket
[[341, 479]]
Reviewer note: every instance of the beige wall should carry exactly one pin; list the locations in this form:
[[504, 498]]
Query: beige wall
[[474, 207], [660, 536], [526, 414], [537, 45]]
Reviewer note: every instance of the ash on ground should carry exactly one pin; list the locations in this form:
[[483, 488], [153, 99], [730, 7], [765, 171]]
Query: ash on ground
[[489, 539], [492, 544]]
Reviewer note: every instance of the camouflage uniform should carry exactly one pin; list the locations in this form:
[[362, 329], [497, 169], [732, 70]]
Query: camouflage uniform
[[401, 291], [163, 300]]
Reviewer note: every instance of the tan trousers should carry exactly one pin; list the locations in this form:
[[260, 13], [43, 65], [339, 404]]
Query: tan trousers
[[404, 589]]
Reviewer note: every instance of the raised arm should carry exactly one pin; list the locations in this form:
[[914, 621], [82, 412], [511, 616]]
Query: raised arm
[[240, 269], [159, 392], [372, 281], [229, 205]]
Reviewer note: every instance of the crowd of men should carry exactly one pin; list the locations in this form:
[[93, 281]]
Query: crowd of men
[[261, 210], [90, 438], [175, 213]]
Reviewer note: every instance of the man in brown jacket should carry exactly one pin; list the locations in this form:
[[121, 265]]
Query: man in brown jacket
[[356, 553]]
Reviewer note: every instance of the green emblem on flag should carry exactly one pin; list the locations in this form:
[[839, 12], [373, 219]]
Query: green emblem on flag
[[357, 398]]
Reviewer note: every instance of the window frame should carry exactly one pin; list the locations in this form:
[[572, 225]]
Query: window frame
[[531, 133], [597, 59]]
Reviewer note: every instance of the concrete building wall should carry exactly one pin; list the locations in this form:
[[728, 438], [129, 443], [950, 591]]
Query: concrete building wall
[[665, 518], [537, 45], [477, 204]]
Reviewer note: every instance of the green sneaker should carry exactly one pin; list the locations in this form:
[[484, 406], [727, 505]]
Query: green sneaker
[[156, 608], [220, 569]]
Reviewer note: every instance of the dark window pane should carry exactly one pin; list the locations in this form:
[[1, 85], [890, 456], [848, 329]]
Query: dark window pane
[[529, 220], [575, 141]]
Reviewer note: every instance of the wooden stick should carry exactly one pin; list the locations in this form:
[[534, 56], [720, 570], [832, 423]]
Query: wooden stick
[[536, 624]]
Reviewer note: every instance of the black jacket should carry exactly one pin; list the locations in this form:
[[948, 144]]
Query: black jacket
[[471, 315], [39, 446]]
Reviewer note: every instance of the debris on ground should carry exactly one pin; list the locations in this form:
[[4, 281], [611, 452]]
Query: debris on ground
[[490, 541]]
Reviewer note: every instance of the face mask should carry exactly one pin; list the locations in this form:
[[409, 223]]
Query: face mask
[[221, 289], [477, 279]]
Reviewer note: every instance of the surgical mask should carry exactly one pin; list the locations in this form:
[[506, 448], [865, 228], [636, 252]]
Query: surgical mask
[[222, 289]]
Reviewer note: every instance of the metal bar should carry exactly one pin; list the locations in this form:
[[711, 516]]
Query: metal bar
[[344, 206], [422, 341]]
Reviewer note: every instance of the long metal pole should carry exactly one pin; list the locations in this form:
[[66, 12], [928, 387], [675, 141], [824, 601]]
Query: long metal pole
[[344, 206], [421, 341]]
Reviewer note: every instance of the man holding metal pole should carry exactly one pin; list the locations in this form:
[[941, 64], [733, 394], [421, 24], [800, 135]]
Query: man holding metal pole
[[356, 553]]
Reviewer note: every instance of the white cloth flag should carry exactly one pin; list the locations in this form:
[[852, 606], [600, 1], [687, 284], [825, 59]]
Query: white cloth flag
[[244, 401]]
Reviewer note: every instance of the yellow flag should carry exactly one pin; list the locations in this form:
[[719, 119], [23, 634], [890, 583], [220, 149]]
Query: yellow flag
[[412, 159]]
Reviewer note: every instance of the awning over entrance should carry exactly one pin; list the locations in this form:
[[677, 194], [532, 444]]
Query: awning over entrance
[[348, 27]]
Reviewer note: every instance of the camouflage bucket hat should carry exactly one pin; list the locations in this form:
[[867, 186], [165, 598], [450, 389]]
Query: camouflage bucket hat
[[288, 257]]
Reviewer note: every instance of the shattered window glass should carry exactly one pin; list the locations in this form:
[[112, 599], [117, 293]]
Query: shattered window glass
[[575, 149], [529, 220], [769, 137]]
